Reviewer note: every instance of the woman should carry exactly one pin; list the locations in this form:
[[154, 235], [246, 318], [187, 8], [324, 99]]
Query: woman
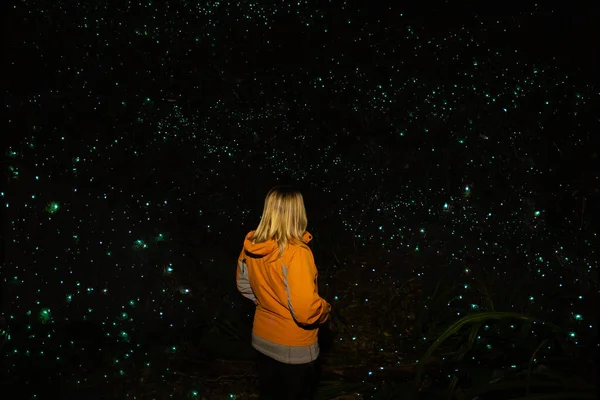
[[276, 270]]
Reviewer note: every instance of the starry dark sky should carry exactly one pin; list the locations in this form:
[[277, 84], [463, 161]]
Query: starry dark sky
[[141, 138]]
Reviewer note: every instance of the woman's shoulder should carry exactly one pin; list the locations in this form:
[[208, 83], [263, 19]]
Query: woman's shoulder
[[296, 247], [301, 243]]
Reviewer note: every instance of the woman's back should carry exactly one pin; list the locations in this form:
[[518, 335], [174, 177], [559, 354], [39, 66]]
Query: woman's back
[[280, 276]]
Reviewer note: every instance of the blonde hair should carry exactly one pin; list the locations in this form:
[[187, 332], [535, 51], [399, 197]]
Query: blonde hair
[[283, 219]]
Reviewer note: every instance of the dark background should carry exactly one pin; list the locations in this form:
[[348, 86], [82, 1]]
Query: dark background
[[176, 119]]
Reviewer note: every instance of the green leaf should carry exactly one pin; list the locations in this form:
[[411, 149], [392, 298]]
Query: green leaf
[[469, 345], [473, 335], [469, 319], [530, 367]]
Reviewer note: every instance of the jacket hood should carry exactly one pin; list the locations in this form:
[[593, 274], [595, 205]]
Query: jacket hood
[[260, 250]]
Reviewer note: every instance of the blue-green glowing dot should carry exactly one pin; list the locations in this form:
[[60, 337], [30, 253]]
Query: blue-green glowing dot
[[52, 207], [45, 315]]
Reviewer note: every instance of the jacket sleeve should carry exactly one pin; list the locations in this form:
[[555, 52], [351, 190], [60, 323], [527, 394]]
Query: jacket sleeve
[[241, 277], [304, 302]]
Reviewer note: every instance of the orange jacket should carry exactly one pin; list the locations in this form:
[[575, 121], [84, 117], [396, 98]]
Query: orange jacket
[[284, 289]]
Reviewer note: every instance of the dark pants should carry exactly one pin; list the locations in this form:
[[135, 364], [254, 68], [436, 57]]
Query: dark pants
[[279, 381]]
